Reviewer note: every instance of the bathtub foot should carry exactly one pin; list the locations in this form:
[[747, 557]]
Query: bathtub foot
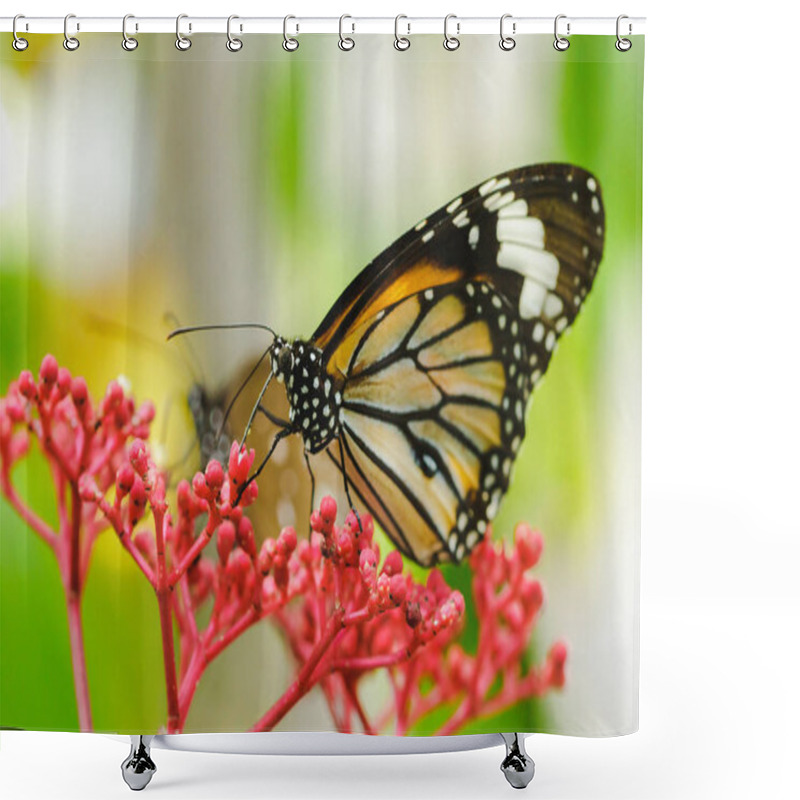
[[517, 766], [138, 768]]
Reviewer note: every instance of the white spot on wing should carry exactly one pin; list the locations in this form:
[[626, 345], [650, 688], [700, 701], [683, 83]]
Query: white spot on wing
[[531, 299], [428, 236], [474, 234], [528, 231], [454, 205], [487, 187], [519, 208], [461, 219], [420, 225], [539, 265], [498, 200], [553, 305]]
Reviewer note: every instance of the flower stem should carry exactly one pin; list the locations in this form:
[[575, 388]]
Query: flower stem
[[303, 684], [78, 661], [71, 570], [164, 594]]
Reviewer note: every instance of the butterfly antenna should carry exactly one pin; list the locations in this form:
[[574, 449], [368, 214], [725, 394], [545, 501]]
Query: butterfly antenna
[[196, 365], [256, 407], [222, 327], [241, 387]]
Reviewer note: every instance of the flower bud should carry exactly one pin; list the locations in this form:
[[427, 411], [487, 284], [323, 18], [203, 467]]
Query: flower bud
[[80, 396], [393, 565], [146, 412], [125, 479], [287, 540], [139, 456], [63, 381], [114, 396], [26, 384], [327, 510], [226, 536], [214, 476], [48, 372], [247, 541], [397, 589], [138, 501], [529, 545], [413, 615], [266, 556]]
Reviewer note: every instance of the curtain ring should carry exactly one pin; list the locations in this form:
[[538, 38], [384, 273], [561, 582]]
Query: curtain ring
[[71, 43], [129, 43], [560, 43], [19, 44], [233, 44], [451, 42], [401, 42], [623, 45], [289, 44], [346, 42], [507, 42], [181, 42]]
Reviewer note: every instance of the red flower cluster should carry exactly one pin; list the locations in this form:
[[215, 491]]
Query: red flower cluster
[[343, 611], [79, 442]]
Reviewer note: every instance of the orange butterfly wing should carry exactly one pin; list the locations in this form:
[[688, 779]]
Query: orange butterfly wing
[[439, 342]]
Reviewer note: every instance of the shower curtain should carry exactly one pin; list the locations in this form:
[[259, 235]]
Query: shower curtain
[[367, 511]]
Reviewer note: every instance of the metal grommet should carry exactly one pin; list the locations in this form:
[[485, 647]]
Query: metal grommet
[[560, 43], [289, 44], [451, 42], [507, 42], [19, 44], [345, 42], [181, 42], [401, 42], [623, 45], [233, 44], [71, 43], [129, 43]]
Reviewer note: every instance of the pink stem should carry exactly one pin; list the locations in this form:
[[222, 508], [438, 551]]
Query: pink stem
[[363, 663], [356, 701], [164, 594], [199, 544], [79, 674], [303, 684], [71, 571]]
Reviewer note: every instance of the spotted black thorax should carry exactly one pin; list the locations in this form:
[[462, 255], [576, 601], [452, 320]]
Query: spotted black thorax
[[314, 398]]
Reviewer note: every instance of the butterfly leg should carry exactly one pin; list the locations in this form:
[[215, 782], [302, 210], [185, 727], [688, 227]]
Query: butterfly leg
[[347, 486], [282, 434], [273, 418], [313, 482]]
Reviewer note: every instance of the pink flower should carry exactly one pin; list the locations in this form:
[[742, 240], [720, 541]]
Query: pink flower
[[344, 611]]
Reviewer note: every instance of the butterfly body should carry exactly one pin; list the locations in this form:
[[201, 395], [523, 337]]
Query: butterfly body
[[417, 381], [314, 396]]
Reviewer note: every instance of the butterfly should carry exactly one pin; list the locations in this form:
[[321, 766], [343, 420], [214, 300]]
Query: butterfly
[[417, 381]]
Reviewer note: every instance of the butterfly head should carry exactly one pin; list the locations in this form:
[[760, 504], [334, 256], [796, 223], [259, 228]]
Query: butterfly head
[[282, 356]]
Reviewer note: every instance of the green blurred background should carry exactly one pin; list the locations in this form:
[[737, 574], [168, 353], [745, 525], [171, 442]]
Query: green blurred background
[[219, 187]]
